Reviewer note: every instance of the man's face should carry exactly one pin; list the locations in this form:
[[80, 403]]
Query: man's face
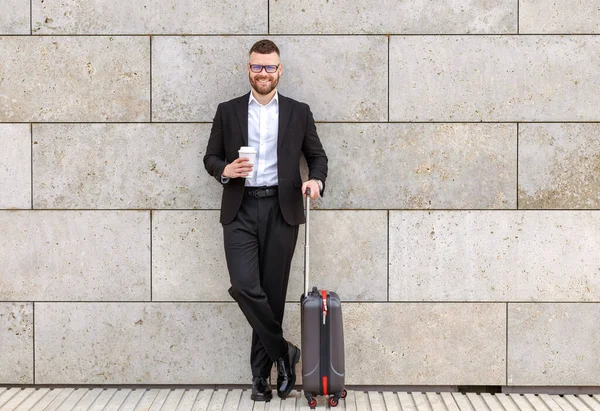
[[263, 82]]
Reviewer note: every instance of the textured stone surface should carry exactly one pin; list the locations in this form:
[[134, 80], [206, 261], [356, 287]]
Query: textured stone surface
[[566, 16], [14, 18], [144, 343], [16, 340], [75, 78], [192, 75], [348, 255], [553, 344], [390, 16], [494, 78], [149, 17], [122, 166], [420, 165], [494, 256], [188, 259], [73, 255], [15, 166], [432, 344], [559, 165]]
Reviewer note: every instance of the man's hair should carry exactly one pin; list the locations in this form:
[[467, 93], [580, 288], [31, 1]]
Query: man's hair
[[264, 47]]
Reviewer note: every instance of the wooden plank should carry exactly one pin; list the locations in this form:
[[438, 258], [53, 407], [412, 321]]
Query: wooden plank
[[462, 401], [449, 401], [188, 399], [391, 401], [362, 401], [491, 401], [217, 400], [117, 400], [259, 406], [147, 400], [203, 400], [536, 402], [375, 400], [406, 401], [21, 396], [7, 395], [435, 401], [173, 399], [134, 397], [576, 402], [507, 402], [33, 399], [521, 402], [550, 403], [421, 402], [159, 400], [103, 399], [55, 404], [476, 401], [47, 399], [289, 404], [276, 403], [350, 401], [246, 403], [562, 403], [590, 402], [88, 399], [232, 400]]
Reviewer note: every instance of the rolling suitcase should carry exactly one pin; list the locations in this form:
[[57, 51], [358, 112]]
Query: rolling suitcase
[[322, 338]]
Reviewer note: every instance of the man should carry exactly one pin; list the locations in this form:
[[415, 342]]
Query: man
[[261, 209]]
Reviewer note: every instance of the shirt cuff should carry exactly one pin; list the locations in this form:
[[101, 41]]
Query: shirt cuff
[[224, 180]]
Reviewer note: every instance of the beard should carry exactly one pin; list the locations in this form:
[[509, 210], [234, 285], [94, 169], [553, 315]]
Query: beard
[[263, 88]]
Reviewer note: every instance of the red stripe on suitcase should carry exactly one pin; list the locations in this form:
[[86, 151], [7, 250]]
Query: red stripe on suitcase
[[325, 385]]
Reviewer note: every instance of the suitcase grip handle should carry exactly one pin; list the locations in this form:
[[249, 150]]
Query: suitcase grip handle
[[306, 247]]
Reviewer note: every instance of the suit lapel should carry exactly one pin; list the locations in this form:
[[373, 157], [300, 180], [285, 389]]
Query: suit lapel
[[242, 113], [285, 109]]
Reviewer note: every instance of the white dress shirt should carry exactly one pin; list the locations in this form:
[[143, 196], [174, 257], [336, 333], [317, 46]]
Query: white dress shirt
[[263, 128]]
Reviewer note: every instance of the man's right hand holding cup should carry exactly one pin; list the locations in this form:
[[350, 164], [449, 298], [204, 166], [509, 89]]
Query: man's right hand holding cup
[[240, 167]]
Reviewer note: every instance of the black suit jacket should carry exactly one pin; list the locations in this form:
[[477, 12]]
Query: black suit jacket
[[297, 135]]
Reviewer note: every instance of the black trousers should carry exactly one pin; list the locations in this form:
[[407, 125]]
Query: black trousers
[[259, 246]]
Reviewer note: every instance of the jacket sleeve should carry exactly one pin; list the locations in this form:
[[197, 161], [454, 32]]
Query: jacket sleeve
[[316, 159], [214, 158]]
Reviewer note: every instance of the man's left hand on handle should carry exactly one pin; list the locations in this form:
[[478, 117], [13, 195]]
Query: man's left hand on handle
[[315, 191]]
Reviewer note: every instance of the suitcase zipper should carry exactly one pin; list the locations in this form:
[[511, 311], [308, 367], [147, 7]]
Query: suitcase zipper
[[325, 363]]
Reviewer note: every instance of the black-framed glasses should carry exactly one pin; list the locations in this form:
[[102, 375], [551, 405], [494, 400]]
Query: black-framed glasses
[[257, 68]]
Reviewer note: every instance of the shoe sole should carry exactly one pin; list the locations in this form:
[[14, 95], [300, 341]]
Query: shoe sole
[[260, 398], [291, 387]]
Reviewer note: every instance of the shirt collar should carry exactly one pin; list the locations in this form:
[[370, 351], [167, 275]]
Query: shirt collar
[[275, 98]]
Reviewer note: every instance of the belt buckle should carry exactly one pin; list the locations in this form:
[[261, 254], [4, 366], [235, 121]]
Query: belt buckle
[[255, 193]]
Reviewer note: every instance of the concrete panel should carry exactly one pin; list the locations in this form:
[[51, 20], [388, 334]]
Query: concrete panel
[[82, 166], [567, 16], [149, 17], [553, 344], [75, 78], [390, 16], [15, 166], [188, 258], [559, 165], [494, 78], [15, 17], [192, 75], [136, 343], [74, 256], [420, 165], [494, 256], [16, 340], [348, 255], [425, 344]]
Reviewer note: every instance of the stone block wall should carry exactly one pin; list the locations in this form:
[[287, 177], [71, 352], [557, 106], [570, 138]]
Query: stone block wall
[[461, 224]]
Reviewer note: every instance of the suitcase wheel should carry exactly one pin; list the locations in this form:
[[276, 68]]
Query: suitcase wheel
[[333, 401], [312, 403], [344, 393]]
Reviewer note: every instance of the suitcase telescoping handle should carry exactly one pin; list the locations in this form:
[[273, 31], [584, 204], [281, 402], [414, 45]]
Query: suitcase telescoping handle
[[306, 248]]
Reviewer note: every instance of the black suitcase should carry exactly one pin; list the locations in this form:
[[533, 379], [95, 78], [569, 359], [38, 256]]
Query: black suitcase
[[322, 339]]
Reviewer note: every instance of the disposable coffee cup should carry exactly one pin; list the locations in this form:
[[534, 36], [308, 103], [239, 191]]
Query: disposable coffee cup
[[249, 152]]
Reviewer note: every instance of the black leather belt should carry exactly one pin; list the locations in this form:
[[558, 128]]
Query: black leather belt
[[260, 192]]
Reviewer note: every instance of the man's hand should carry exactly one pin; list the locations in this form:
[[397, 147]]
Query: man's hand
[[315, 192], [241, 167]]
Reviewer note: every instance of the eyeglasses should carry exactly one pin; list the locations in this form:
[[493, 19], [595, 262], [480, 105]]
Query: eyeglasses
[[257, 68]]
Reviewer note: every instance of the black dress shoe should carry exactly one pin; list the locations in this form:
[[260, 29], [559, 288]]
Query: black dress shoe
[[261, 390], [286, 371]]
